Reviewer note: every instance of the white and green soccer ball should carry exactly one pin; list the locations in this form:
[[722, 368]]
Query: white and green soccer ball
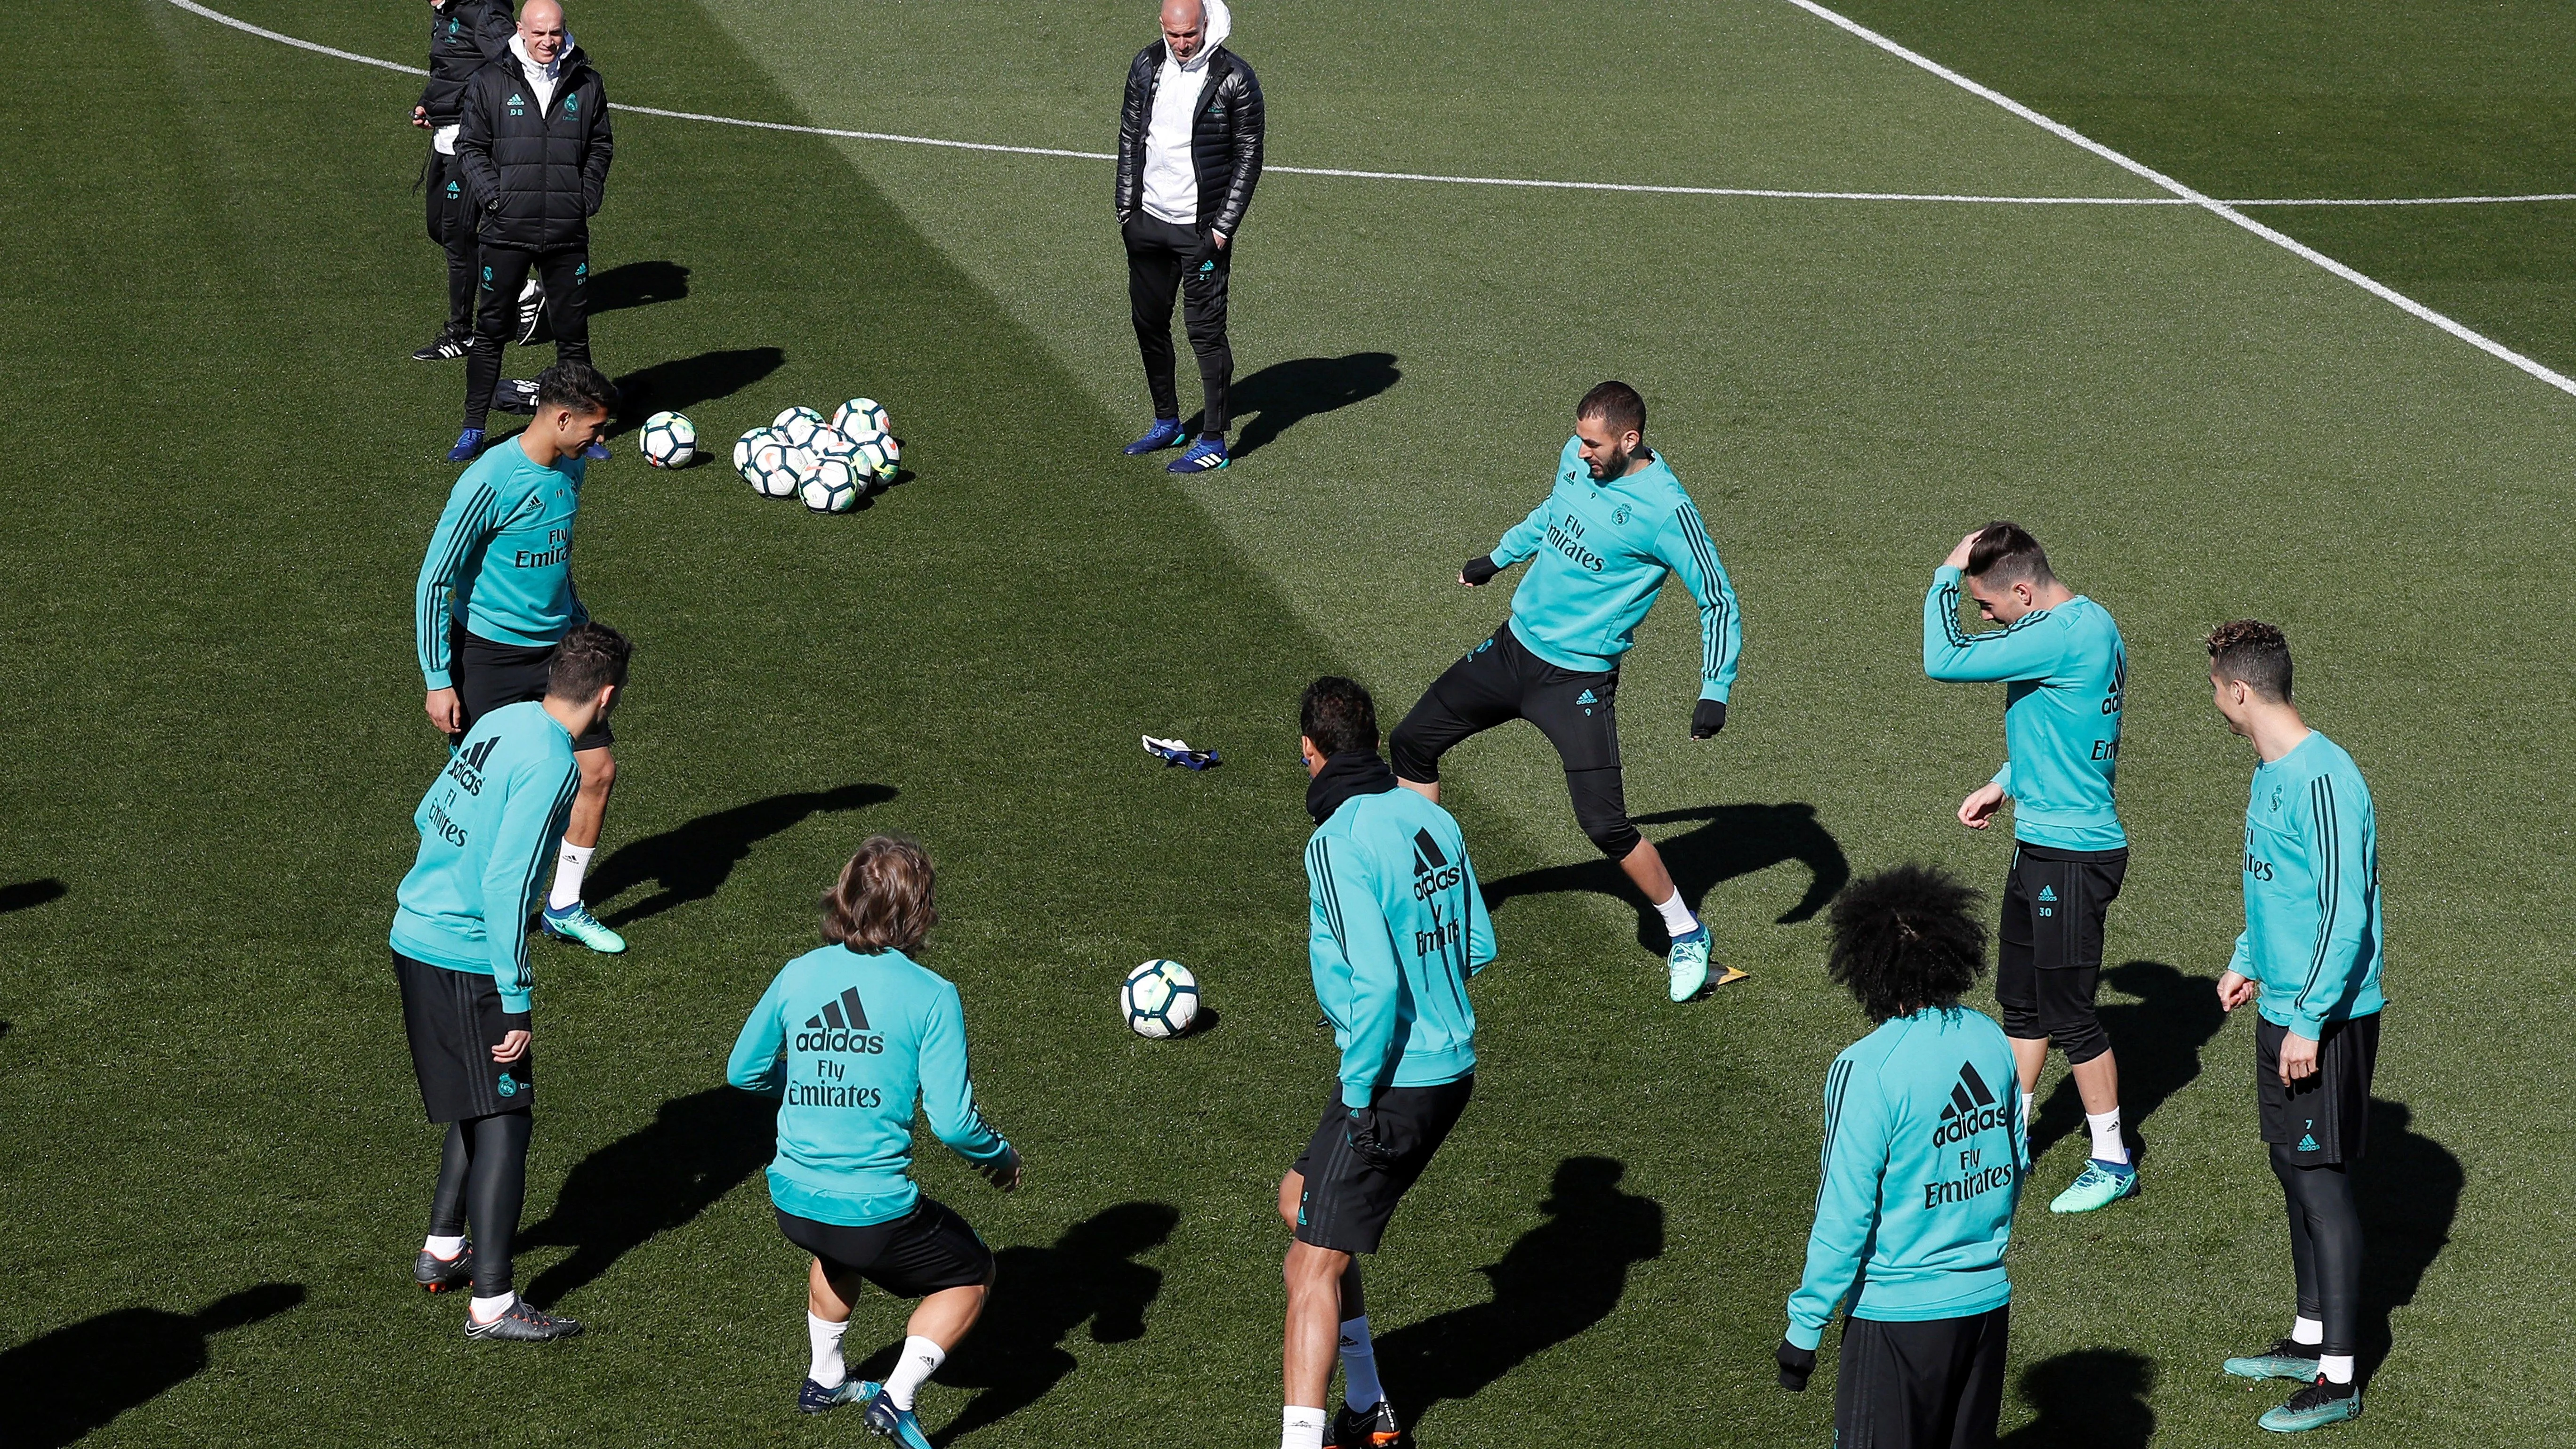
[[833, 486], [860, 416], [833, 443], [798, 425], [1160, 999], [777, 467], [670, 440], [742, 448], [877, 455]]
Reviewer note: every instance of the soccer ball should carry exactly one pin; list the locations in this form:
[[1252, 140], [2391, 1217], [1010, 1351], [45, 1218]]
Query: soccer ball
[[833, 443], [742, 448], [1161, 999], [877, 455], [670, 440], [892, 448], [798, 425], [777, 468], [833, 486], [859, 416]]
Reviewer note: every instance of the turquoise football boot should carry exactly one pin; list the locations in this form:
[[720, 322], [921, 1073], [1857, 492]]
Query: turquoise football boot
[[575, 923], [2285, 1359], [900, 1425], [2098, 1186]]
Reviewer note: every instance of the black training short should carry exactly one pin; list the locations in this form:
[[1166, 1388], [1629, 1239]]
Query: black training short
[[925, 1251], [454, 1019], [1348, 1199], [489, 675], [1937, 1384], [2325, 1118], [1501, 680], [2049, 958]]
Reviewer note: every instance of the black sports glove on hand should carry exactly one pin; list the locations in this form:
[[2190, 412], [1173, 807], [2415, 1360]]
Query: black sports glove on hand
[[1707, 718], [1479, 571], [1363, 1137], [1796, 1364]]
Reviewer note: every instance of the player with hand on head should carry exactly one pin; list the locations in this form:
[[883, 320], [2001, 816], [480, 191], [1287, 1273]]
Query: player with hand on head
[[2066, 672], [2308, 961], [495, 596], [1614, 527], [1395, 925], [1923, 1163], [488, 825], [849, 1037]]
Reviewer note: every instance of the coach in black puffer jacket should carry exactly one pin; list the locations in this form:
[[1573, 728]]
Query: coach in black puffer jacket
[[464, 36]]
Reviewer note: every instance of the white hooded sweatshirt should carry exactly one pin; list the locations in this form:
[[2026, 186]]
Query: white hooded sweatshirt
[[1171, 180]]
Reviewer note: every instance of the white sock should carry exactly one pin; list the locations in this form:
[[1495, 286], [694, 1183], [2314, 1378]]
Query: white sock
[[825, 1337], [569, 868], [1302, 1428], [487, 1309], [2337, 1367], [921, 1358], [1360, 1388], [1678, 922], [2107, 1146], [2307, 1331], [443, 1249]]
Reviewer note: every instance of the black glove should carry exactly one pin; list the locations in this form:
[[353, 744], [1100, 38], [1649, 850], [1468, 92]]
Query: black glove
[[1795, 1365], [1479, 571], [1707, 718], [1363, 1138]]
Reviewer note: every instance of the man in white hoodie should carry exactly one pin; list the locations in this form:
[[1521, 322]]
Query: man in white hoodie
[[1189, 154]]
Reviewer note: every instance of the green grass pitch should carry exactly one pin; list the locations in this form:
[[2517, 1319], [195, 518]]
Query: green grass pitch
[[221, 470]]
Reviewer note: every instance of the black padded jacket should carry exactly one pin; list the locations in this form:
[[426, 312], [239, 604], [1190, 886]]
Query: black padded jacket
[[537, 176], [1225, 138], [464, 36]]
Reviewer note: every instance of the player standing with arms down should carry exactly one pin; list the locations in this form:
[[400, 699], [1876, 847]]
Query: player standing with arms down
[[2309, 958], [1616, 524], [488, 825], [1922, 1166], [1396, 925], [2066, 671], [495, 596], [850, 1035]]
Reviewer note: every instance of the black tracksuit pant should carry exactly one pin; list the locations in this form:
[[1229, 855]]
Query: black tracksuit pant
[[1158, 265], [451, 225], [565, 275]]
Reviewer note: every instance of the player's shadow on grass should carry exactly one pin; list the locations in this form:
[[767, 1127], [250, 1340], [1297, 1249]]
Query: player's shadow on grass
[[2094, 1398], [1561, 1278], [27, 894], [2408, 1187], [1285, 393], [696, 1149], [692, 861], [685, 382], [2156, 1038], [59, 1386], [1734, 840], [1040, 1297], [637, 284]]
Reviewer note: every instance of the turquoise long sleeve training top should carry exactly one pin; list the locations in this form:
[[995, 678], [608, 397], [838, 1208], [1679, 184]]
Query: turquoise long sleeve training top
[[488, 829], [2065, 672], [500, 559], [2313, 938]]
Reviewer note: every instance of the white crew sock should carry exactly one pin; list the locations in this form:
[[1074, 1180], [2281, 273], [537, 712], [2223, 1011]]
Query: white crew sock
[[2107, 1146], [1302, 1428], [825, 1337], [2307, 1331], [2337, 1367], [921, 1358], [570, 866], [443, 1249], [1678, 922], [1360, 1388], [487, 1309]]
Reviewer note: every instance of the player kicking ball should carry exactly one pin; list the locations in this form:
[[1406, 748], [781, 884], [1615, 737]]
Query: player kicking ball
[[1613, 528], [1923, 1163], [848, 1037], [1395, 926], [488, 825], [2065, 671], [2309, 961]]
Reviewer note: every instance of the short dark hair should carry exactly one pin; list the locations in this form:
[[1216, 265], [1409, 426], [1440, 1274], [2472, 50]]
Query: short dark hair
[[2254, 654], [1338, 715], [578, 386], [883, 900], [590, 656], [1617, 404], [1904, 940], [2006, 553]]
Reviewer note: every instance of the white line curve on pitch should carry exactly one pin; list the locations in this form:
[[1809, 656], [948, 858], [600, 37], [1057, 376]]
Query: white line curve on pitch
[[1524, 183]]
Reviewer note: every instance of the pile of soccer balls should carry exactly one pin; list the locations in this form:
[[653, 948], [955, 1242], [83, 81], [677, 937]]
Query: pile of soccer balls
[[835, 464]]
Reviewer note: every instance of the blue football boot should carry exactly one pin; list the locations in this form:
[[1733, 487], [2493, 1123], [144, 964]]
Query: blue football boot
[[1163, 434]]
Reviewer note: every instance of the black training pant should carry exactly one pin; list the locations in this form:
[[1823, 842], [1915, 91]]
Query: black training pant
[[1937, 1384], [1501, 680], [451, 224], [1163, 259], [2325, 1247], [565, 275], [483, 1179]]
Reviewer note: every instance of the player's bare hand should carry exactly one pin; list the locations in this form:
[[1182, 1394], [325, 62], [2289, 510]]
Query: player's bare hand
[[2234, 991], [445, 710], [1003, 1171], [1981, 805], [512, 1047], [1958, 558], [2298, 1059], [420, 116]]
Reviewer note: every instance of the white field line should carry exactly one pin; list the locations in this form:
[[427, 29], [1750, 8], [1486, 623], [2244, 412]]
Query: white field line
[[2224, 209], [2179, 199]]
